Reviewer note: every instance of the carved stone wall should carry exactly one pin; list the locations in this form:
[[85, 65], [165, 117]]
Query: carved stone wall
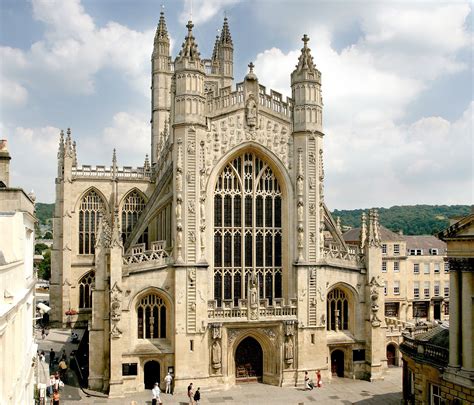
[[191, 301]]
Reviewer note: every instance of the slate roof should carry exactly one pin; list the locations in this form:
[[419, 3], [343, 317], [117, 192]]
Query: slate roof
[[386, 235], [425, 242]]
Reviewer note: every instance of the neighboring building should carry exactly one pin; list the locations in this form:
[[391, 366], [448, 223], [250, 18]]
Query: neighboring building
[[438, 366], [17, 288], [416, 282], [219, 259]]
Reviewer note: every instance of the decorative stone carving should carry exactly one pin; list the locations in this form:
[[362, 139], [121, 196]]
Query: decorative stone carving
[[269, 332], [363, 231], [312, 208], [192, 236], [192, 274], [191, 147], [289, 350], [216, 329], [251, 111], [289, 328], [191, 207], [216, 355], [231, 335], [115, 310], [117, 232]]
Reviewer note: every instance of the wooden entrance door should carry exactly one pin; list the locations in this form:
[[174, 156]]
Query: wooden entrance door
[[391, 355], [337, 363], [249, 360]]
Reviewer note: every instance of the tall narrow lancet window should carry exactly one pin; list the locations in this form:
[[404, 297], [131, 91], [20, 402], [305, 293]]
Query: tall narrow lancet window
[[92, 205], [86, 283], [247, 230], [337, 310], [151, 317], [132, 208]]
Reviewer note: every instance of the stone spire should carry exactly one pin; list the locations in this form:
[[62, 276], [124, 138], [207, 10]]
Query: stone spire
[[114, 164], [225, 38], [189, 49], [305, 61], [215, 51], [74, 154], [161, 31]]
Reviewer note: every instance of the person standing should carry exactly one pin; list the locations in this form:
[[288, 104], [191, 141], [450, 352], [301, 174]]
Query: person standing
[[168, 380], [52, 355], [197, 396], [191, 394], [155, 395], [318, 379]]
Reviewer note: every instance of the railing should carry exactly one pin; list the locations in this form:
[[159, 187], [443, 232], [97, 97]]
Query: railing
[[156, 254], [227, 309], [125, 172], [337, 253], [395, 324], [425, 352]]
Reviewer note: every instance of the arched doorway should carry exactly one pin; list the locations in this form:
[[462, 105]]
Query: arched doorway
[[249, 360], [337, 363], [151, 373], [391, 355]]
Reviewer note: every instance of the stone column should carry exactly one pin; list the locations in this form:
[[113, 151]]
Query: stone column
[[454, 319], [467, 320]]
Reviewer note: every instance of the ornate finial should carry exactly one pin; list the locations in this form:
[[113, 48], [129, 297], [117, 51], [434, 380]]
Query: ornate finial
[[225, 37], [251, 66], [305, 61], [189, 48], [69, 132], [305, 40], [146, 165], [190, 26], [114, 163]]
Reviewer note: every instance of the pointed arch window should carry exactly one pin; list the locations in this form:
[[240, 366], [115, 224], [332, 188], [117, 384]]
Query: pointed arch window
[[337, 310], [132, 207], [247, 230], [86, 283], [90, 208], [151, 317]]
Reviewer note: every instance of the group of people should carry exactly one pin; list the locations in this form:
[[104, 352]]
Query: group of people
[[194, 396], [309, 384]]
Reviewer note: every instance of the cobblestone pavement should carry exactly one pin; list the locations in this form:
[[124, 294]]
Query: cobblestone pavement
[[338, 391]]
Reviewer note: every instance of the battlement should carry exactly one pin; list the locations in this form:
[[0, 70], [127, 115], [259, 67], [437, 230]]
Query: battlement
[[272, 102], [99, 171]]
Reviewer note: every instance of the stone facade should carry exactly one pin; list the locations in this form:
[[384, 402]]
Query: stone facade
[[17, 290], [218, 259]]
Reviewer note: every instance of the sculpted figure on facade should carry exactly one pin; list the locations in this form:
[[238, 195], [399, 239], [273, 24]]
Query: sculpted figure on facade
[[216, 354], [251, 111], [289, 350]]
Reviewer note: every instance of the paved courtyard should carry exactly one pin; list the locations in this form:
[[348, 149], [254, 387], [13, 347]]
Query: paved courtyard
[[338, 391]]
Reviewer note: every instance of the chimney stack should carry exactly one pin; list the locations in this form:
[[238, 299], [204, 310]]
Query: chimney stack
[[4, 164]]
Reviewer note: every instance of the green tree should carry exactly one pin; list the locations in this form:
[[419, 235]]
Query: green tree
[[48, 235], [40, 248], [44, 268]]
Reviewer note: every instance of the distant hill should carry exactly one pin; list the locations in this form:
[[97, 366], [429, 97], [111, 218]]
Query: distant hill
[[411, 219]]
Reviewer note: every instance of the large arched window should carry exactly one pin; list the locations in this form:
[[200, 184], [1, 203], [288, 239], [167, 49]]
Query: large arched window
[[247, 230], [337, 310], [86, 283], [132, 208], [151, 315], [90, 208]]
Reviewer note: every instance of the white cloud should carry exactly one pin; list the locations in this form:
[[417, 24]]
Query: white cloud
[[203, 10]]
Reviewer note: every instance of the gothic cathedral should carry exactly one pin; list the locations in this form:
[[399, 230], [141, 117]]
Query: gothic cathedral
[[217, 260]]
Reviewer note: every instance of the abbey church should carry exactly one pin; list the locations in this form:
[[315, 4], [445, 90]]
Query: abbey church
[[218, 260]]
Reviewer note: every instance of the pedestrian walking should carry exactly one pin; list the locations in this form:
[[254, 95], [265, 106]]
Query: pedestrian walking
[[43, 333], [52, 355], [55, 398], [62, 369], [307, 382], [168, 380], [155, 395], [197, 396], [64, 355], [42, 357], [319, 383], [191, 394]]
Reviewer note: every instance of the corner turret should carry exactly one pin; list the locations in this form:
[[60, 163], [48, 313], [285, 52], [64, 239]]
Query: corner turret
[[306, 93]]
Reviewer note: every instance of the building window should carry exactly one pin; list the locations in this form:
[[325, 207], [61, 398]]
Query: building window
[[384, 266], [396, 249], [426, 289], [86, 283], [396, 267], [391, 309], [132, 208], [435, 395], [446, 267], [436, 289], [426, 268], [416, 252], [396, 287], [247, 230], [434, 252], [337, 301], [384, 248], [420, 309], [436, 268], [151, 315], [446, 308], [385, 288], [416, 268], [416, 290], [446, 289], [90, 209]]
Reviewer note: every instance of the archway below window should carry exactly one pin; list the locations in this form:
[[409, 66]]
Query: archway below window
[[392, 355], [248, 361], [151, 374], [337, 363]]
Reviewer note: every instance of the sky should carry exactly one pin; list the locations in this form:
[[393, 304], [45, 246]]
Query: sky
[[396, 80]]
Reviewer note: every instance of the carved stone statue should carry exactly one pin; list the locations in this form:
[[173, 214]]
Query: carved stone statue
[[216, 355], [289, 350], [253, 290], [251, 111]]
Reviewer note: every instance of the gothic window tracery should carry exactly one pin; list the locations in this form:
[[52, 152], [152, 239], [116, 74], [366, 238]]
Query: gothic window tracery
[[132, 207], [90, 208], [337, 310], [86, 283], [151, 317], [247, 230]]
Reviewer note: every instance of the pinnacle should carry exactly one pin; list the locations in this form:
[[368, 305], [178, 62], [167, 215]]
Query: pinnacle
[[189, 48], [161, 30], [226, 38], [305, 61]]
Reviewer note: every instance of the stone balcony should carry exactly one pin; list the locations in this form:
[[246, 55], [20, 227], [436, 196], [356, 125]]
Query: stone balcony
[[279, 310], [425, 352], [141, 259]]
